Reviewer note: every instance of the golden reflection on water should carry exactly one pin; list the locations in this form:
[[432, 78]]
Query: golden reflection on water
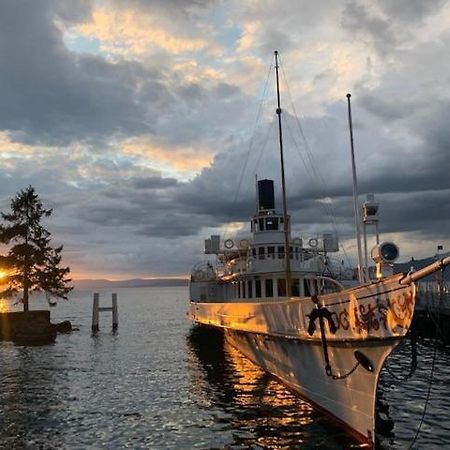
[[256, 407], [257, 387], [4, 305]]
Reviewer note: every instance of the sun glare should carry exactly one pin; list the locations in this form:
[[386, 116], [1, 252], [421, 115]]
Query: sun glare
[[2, 274]]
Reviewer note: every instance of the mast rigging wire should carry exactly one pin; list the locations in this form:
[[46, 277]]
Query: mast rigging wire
[[329, 211], [244, 166]]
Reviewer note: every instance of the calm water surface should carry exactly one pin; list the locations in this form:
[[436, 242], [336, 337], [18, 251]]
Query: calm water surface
[[159, 383]]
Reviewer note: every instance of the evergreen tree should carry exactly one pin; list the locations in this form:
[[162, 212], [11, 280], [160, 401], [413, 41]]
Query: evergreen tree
[[31, 263]]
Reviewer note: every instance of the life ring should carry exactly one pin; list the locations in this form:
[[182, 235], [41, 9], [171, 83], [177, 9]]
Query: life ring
[[297, 241], [229, 243], [313, 242]]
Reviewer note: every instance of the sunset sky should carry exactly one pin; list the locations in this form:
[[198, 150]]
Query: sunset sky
[[144, 123]]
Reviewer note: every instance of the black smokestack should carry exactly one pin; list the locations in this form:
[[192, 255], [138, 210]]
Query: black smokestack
[[266, 198]]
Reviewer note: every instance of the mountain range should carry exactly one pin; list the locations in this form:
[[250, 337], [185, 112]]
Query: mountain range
[[136, 282]]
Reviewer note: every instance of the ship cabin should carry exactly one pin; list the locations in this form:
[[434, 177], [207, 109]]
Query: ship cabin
[[254, 269]]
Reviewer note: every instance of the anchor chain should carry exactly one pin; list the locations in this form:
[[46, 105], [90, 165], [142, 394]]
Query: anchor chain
[[323, 313]]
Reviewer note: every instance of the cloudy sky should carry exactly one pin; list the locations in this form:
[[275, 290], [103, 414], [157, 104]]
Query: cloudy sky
[[144, 123]]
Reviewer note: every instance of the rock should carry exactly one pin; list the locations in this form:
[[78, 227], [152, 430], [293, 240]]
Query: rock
[[63, 327]]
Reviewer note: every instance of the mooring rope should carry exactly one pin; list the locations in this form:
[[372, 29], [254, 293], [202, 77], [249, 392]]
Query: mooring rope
[[427, 398], [413, 367], [430, 378]]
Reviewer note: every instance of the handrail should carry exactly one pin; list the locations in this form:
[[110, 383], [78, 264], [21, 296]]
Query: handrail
[[428, 270]]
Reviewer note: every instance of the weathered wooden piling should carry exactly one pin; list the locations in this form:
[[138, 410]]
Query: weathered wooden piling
[[115, 316], [96, 310]]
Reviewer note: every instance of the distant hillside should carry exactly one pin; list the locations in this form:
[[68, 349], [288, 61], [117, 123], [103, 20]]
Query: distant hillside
[[138, 282]]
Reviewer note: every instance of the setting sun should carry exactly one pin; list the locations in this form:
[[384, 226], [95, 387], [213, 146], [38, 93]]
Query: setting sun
[[2, 274]]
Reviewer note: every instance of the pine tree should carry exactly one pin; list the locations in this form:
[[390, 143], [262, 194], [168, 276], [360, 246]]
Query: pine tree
[[31, 263]]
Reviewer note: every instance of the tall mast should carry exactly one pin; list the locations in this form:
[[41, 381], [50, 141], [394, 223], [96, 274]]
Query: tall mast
[[287, 261], [361, 276]]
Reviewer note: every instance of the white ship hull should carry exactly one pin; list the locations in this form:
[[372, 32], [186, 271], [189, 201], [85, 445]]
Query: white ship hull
[[299, 365], [285, 339]]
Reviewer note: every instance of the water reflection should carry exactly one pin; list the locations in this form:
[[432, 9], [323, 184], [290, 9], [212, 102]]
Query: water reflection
[[403, 398], [31, 393], [261, 412]]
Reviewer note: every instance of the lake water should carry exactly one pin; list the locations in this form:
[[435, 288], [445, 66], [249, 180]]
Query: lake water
[[159, 383]]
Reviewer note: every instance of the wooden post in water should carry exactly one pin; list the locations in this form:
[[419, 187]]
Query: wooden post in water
[[96, 309], [115, 315]]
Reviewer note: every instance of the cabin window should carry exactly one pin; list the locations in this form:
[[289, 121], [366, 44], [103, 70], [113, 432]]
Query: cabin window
[[291, 253], [328, 287], [295, 287], [281, 285], [306, 286], [254, 252], [272, 223], [261, 224], [261, 252], [249, 289], [239, 289], [281, 252], [296, 252], [271, 252], [243, 289], [269, 288], [257, 288]]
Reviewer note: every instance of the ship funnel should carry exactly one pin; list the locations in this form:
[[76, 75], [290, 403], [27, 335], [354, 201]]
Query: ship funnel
[[266, 197]]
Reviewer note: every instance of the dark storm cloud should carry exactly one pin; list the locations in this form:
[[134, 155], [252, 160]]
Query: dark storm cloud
[[359, 20], [225, 192], [386, 108], [51, 95], [418, 176], [169, 224], [158, 215], [424, 166], [428, 212], [153, 182], [70, 11], [410, 10], [274, 39], [115, 214], [392, 28], [169, 6]]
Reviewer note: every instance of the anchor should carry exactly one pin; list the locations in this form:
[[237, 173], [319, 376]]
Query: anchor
[[321, 313]]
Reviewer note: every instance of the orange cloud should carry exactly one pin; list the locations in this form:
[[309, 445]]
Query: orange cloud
[[193, 72], [127, 31], [188, 160], [9, 147]]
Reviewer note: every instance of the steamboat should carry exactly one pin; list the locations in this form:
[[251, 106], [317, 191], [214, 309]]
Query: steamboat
[[277, 301]]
